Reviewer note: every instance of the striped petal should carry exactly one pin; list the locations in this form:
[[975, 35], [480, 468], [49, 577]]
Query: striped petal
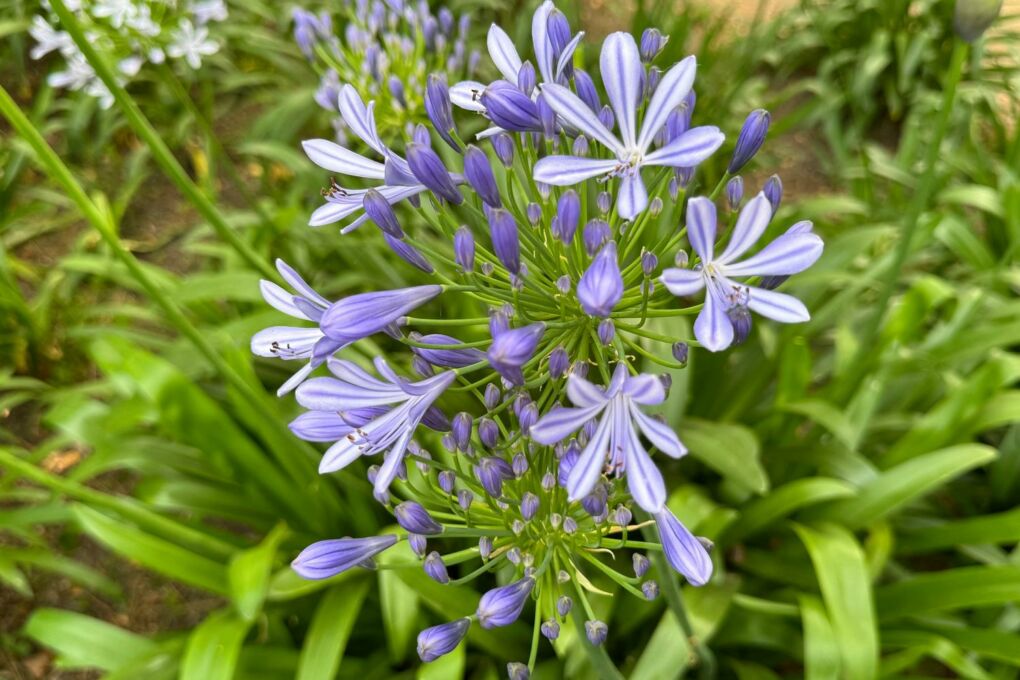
[[622, 75], [295, 281], [333, 157], [689, 149], [465, 95], [285, 342], [712, 328], [643, 478], [777, 306], [789, 254], [672, 90], [659, 434], [575, 113], [503, 53], [544, 52], [701, 225], [682, 282], [560, 423], [754, 218], [359, 118], [583, 393], [632, 198], [588, 468], [564, 171]]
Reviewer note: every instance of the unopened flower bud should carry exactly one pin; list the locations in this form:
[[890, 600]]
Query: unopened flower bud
[[650, 589], [447, 480], [436, 568], [418, 544], [563, 605], [596, 632], [641, 565]]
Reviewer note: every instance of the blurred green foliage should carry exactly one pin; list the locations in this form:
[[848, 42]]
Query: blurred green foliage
[[861, 488]]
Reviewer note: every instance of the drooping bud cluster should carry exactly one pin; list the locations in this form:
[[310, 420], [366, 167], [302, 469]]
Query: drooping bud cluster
[[134, 34], [550, 240]]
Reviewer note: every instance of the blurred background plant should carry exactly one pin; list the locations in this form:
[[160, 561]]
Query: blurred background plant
[[860, 475]]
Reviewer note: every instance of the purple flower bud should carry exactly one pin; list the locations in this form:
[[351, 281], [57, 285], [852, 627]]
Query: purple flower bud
[[594, 504], [479, 176], [596, 632], [649, 262], [652, 42], [430, 27], [606, 117], [606, 331], [526, 78], [569, 525], [528, 417], [547, 117], [515, 670], [740, 317], [428, 168], [439, 109], [563, 284], [652, 81], [534, 212], [683, 550], [558, 362], [773, 190], [563, 605], [503, 145], [381, 212], [502, 606], [447, 480], [529, 505], [485, 547], [735, 192], [641, 565], [567, 463], [491, 472], [596, 232], [568, 214], [650, 589], [396, 88], [622, 515], [512, 348], [446, 21], [328, 558], [420, 135], [601, 286], [680, 351], [416, 519], [682, 259], [373, 472], [461, 429], [464, 248], [408, 253], [750, 140], [436, 569], [418, 544], [517, 526], [559, 32], [581, 147], [550, 629], [509, 108], [548, 481], [505, 242], [464, 498], [684, 177], [438, 640], [655, 207], [492, 396], [488, 432], [586, 90], [519, 463], [447, 358], [422, 367]]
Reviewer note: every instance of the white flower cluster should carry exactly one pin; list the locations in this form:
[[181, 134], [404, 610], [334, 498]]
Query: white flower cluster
[[133, 32]]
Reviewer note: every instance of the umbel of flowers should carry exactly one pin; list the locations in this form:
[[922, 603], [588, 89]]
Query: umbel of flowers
[[387, 52], [577, 214], [133, 33]]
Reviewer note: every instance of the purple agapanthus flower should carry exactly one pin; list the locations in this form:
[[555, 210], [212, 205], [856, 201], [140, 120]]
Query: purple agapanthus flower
[[397, 180], [622, 74], [353, 388], [291, 342], [551, 53], [615, 443], [791, 253]]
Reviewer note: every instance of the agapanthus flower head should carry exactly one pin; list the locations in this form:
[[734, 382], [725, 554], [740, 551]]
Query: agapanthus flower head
[[622, 75], [786, 255], [550, 452]]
